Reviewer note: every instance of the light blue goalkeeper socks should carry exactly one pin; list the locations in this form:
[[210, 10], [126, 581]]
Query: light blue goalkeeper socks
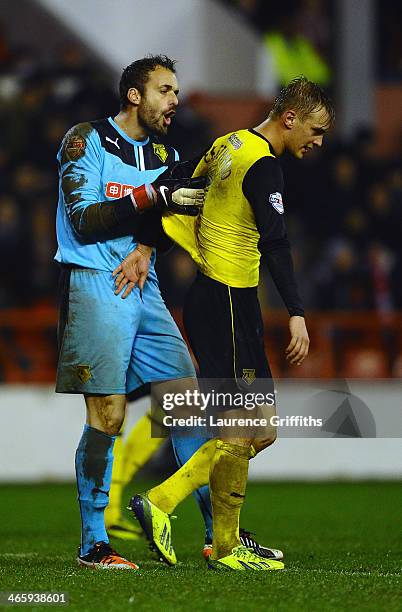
[[93, 466], [184, 447]]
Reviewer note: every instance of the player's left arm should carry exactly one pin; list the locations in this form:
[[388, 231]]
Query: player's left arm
[[263, 187]]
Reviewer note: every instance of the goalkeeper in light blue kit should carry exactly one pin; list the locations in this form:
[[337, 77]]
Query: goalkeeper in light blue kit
[[114, 183]]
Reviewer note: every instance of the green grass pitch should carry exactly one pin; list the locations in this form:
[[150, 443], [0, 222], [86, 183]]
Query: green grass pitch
[[342, 544]]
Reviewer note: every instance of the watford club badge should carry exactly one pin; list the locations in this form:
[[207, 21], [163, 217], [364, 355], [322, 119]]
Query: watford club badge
[[248, 376], [83, 372], [160, 151]]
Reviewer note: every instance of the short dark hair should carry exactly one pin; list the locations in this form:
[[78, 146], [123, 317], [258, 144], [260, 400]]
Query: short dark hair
[[136, 74], [304, 97]]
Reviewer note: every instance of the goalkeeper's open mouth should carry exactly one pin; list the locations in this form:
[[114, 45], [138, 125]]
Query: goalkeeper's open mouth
[[167, 118]]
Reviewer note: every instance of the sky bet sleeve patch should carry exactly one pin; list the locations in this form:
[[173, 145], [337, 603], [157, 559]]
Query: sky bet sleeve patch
[[276, 200]]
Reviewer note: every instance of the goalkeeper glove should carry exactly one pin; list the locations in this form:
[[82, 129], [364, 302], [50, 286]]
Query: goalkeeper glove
[[184, 196]]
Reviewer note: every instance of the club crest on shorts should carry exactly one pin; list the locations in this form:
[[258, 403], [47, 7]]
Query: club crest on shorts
[[83, 372], [248, 376], [160, 151], [276, 200]]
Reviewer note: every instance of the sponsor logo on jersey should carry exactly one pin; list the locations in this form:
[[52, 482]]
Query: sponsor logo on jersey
[[160, 151], [117, 190], [276, 200], [83, 372], [235, 141], [248, 376]]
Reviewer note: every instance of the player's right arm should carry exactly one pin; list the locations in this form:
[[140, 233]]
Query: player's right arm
[[95, 219]]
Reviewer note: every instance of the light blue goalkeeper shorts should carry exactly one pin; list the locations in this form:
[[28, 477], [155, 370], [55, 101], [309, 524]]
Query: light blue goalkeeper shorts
[[109, 345]]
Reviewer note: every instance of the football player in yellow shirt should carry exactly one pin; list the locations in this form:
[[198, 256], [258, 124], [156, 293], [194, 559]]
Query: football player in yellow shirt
[[242, 218]]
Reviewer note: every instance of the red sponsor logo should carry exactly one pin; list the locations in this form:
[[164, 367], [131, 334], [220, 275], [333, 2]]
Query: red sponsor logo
[[118, 190], [126, 189]]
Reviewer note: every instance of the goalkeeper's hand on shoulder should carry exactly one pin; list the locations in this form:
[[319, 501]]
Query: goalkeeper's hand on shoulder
[[180, 194], [172, 191]]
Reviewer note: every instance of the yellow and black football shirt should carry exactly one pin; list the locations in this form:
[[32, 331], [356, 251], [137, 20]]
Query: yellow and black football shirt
[[242, 217]]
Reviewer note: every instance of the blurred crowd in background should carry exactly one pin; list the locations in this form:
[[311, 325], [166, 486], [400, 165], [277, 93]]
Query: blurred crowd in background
[[309, 24], [344, 206]]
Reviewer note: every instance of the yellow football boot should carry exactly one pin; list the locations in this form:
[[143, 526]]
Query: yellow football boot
[[156, 526], [242, 558]]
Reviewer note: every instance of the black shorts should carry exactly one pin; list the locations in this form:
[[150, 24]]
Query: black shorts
[[225, 330]]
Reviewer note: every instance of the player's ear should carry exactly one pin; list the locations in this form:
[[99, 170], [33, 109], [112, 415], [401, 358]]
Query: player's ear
[[134, 96], [289, 117]]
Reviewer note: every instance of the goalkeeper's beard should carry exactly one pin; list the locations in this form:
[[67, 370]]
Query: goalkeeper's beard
[[152, 121]]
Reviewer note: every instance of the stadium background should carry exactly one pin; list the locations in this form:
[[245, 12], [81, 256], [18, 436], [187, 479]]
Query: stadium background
[[59, 64]]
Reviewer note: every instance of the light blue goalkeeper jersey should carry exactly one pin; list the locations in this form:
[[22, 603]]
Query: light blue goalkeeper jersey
[[98, 162]]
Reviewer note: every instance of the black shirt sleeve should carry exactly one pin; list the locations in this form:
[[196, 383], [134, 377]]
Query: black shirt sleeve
[[149, 231], [103, 220], [263, 188]]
